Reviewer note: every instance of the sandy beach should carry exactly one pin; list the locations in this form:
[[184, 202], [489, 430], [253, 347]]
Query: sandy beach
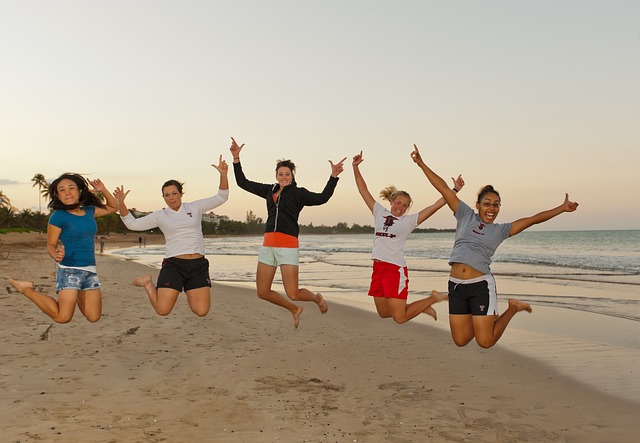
[[243, 374]]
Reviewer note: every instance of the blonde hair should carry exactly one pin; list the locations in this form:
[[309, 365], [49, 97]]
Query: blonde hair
[[390, 193]]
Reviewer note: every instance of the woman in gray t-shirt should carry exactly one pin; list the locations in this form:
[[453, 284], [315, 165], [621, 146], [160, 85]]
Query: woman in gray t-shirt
[[473, 310]]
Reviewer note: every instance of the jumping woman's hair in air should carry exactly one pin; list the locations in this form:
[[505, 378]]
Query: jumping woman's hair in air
[[390, 193], [87, 198]]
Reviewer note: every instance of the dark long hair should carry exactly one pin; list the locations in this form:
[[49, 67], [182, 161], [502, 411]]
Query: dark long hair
[[87, 198]]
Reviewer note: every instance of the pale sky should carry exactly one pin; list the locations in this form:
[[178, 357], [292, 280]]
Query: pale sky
[[537, 98]]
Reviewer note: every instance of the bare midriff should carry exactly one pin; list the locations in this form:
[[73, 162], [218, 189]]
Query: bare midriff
[[464, 272], [189, 256]]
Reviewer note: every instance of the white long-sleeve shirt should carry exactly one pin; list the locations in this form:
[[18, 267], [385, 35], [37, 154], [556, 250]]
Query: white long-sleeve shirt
[[182, 229]]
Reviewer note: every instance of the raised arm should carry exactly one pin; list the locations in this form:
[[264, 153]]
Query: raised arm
[[360, 183], [448, 194], [223, 169], [524, 223], [143, 223], [120, 195], [259, 189], [235, 150], [458, 184], [337, 168], [112, 205]]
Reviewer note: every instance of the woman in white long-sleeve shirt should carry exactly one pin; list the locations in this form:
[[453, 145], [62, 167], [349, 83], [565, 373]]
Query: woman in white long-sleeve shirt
[[184, 267]]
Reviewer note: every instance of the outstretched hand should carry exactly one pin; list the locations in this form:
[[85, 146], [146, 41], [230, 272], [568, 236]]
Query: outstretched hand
[[569, 206], [458, 183], [415, 155], [222, 166], [337, 168], [235, 149], [119, 194], [357, 159], [96, 186]]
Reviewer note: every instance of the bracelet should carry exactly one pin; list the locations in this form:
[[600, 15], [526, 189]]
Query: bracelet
[[236, 158], [456, 190]]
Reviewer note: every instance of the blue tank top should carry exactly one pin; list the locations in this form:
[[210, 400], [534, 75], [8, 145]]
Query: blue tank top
[[77, 236]]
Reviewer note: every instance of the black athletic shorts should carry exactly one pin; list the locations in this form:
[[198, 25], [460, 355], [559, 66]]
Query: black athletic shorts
[[184, 274]]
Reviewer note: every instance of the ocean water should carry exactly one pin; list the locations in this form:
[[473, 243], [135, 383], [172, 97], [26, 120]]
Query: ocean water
[[584, 287], [572, 260]]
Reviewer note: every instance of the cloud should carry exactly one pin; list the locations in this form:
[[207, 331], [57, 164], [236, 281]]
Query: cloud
[[9, 182]]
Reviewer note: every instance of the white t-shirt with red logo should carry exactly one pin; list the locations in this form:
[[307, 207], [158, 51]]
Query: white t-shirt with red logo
[[391, 233]]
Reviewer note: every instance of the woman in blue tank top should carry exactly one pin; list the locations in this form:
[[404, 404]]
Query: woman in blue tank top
[[70, 242]]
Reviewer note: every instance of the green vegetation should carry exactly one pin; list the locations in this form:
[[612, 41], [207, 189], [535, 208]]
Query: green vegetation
[[12, 220], [27, 220], [7, 230]]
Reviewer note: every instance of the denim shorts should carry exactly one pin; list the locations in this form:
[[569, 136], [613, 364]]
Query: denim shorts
[[79, 279], [279, 256]]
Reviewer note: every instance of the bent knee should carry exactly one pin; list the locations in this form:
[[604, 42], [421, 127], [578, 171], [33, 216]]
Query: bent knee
[[399, 319], [485, 343], [461, 341], [201, 312], [163, 311]]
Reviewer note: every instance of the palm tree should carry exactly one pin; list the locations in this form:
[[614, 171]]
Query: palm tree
[[6, 211], [41, 182], [5, 202]]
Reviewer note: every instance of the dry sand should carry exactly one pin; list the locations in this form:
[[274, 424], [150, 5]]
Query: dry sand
[[243, 374]]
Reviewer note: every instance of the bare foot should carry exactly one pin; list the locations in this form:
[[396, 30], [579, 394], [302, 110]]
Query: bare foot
[[19, 285], [432, 312], [439, 296], [142, 281], [296, 317], [322, 304], [519, 305]]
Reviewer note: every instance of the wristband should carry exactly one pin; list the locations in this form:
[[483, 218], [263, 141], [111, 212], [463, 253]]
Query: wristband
[[456, 190]]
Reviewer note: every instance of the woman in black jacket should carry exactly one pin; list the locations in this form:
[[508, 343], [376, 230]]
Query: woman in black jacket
[[280, 246]]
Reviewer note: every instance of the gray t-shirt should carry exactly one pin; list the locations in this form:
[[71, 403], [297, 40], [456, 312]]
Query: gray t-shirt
[[476, 241]]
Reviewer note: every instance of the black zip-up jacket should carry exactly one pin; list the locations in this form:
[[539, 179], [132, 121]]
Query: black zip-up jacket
[[282, 215]]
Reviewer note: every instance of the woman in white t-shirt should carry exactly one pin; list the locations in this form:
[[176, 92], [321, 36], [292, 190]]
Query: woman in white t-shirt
[[389, 280], [184, 267]]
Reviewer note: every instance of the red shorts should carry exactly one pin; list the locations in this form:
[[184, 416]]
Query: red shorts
[[389, 281]]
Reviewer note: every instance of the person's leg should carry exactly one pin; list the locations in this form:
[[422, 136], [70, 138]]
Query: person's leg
[[163, 300], [60, 311], [490, 328], [382, 306], [197, 285], [403, 312], [199, 300], [90, 304], [264, 279], [290, 282], [462, 328]]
